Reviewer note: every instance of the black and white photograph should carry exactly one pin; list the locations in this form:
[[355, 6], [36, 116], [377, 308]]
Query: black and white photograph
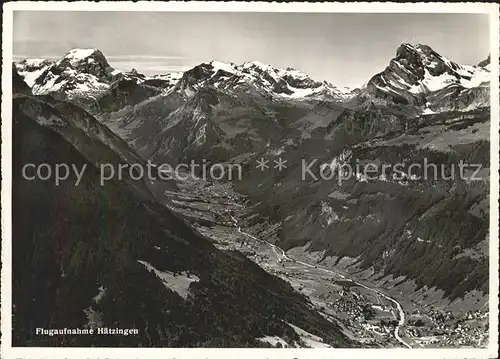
[[289, 179]]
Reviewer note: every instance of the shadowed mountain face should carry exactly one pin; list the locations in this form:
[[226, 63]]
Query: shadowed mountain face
[[18, 83], [428, 229], [92, 256], [427, 224], [94, 141]]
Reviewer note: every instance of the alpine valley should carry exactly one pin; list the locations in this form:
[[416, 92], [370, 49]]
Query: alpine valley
[[280, 257]]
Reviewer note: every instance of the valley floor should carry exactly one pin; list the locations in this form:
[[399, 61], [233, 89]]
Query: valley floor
[[370, 309]]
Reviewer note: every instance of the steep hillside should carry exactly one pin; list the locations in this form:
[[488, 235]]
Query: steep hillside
[[106, 256], [213, 124], [18, 83], [423, 106], [418, 225], [95, 142]]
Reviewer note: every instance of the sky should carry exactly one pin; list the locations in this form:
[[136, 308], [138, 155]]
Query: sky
[[344, 49]]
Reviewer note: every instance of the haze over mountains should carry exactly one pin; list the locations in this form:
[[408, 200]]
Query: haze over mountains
[[426, 237]]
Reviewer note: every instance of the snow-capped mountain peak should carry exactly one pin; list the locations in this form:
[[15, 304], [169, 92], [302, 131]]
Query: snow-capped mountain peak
[[227, 67], [261, 67], [81, 54], [86, 73], [35, 63], [31, 69], [416, 76], [418, 73], [79, 75], [260, 77], [91, 61]]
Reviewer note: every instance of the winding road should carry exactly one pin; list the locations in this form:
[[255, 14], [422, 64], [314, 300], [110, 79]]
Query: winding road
[[376, 291]]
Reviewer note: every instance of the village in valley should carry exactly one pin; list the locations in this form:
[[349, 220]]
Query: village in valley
[[365, 315]]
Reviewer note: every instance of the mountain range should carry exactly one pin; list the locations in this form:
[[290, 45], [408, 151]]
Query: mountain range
[[90, 242], [92, 256], [149, 112]]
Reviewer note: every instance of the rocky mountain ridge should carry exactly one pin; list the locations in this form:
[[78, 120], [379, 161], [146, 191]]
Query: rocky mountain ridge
[[418, 76], [121, 258], [422, 105]]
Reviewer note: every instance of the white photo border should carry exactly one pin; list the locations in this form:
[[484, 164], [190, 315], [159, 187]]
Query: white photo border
[[8, 352]]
